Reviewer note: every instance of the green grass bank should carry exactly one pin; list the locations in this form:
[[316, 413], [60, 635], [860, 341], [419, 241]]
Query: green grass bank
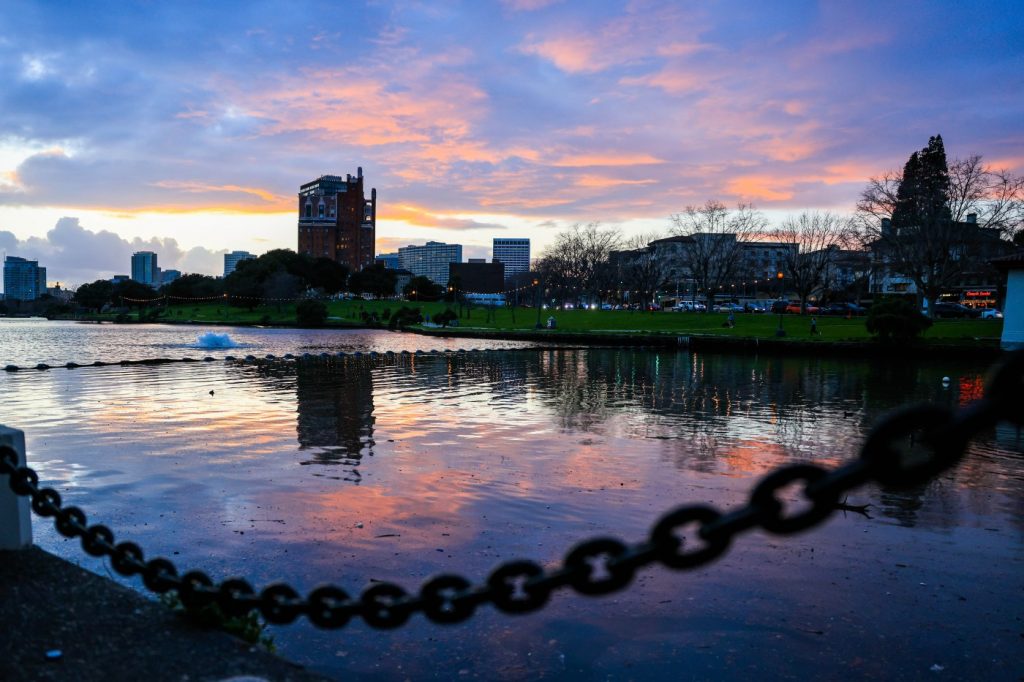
[[601, 326]]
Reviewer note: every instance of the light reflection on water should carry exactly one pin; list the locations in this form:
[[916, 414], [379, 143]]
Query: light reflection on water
[[402, 468]]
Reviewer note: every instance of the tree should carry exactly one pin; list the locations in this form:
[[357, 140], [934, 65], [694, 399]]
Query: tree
[[193, 286], [577, 264], [281, 286], [244, 286], [375, 279], [896, 320], [818, 236], [641, 269], [95, 295], [713, 252], [422, 288], [916, 219], [328, 275]]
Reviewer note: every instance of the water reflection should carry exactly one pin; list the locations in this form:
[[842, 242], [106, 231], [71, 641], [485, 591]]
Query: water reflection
[[335, 414], [732, 416], [398, 468]]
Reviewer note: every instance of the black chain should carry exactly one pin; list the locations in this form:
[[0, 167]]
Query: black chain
[[907, 448]]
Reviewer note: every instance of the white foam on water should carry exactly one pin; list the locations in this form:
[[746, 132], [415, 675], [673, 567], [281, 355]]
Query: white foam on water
[[215, 340]]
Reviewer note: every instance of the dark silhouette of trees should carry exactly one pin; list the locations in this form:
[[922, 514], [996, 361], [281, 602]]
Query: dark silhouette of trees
[[95, 295], [818, 236], [713, 254], [422, 288], [375, 279], [194, 286], [577, 265], [917, 218]]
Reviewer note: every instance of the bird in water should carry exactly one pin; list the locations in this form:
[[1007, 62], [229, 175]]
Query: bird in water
[[211, 392]]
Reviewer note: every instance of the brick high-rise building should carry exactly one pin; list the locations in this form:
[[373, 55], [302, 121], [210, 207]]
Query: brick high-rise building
[[336, 220]]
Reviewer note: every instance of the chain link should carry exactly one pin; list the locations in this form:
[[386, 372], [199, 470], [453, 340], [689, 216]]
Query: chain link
[[906, 448]]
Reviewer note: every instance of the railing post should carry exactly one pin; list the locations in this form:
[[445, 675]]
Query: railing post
[[15, 512]]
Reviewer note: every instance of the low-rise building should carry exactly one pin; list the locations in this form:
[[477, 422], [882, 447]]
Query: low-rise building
[[478, 278], [391, 261]]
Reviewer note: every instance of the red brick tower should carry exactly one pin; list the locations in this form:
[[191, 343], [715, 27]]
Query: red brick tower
[[336, 220]]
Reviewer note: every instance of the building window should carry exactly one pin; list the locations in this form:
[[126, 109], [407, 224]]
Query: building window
[[309, 211]]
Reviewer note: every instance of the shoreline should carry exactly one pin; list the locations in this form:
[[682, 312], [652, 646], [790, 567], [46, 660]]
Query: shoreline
[[982, 348]]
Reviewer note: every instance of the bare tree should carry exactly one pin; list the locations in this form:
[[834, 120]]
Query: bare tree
[[576, 265], [641, 268], [818, 237], [713, 254], [995, 196], [935, 255]]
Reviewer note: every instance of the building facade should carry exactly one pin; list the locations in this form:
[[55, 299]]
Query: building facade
[[145, 269], [478, 278], [24, 280], [430, 260], [391, 261], [168, 276], [231, 260], [514, 253], [336, 220], [965, 267]]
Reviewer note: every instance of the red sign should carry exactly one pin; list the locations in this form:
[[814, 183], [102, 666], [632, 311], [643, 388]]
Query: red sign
[[978, 294]]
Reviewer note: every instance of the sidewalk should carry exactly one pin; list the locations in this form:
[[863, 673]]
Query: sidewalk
[[104, 631]]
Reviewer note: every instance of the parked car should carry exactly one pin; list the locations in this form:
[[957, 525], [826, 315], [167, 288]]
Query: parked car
[[991, 314], [794, 307], [779, 307], [955, 310], [843, 309]]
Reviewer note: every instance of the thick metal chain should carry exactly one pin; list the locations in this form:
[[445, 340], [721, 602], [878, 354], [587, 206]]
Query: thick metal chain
[[906, 448]]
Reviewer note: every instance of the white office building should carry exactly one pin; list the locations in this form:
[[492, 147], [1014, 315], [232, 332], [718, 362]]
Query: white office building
[[514, 253], [430, 260], [231, 260]]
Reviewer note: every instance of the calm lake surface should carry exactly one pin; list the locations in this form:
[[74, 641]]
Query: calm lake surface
[[401, 468]]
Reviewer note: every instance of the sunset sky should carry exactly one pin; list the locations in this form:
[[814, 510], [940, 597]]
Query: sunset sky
[[187, 128]]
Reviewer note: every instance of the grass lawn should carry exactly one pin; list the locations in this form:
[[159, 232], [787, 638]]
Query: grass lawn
[[751, 325]]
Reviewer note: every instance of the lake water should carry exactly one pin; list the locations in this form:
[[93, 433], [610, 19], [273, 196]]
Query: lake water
[[399, 468]]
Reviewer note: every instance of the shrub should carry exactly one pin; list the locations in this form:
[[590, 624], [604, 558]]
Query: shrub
[[311, 313], [896, 320], [445, 318], [403, 317]]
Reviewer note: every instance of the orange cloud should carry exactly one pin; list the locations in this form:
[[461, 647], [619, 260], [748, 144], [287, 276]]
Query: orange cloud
[[607, 159], [201, 188], [601, 181], [674, 81], [760, 187], [572, 54]]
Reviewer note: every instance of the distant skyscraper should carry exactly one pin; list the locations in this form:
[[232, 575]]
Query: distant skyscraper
[[514, 253], [231, 260], [337, 222], [144, 268], [391, 261], [430, 260], [24, 280]]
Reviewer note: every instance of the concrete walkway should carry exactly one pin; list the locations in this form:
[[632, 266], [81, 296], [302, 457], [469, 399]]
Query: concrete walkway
[[60, 622]]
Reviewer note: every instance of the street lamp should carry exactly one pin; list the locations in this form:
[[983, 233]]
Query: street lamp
[[780, 331]]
